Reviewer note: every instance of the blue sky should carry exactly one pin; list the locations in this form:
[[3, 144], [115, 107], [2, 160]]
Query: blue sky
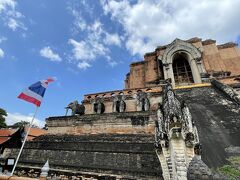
[[88, 45]]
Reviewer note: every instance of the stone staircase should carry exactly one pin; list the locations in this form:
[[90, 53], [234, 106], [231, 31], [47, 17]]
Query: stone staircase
[[166, 164], [179, 158]]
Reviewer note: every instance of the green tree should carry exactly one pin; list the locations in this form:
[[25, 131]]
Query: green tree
[[22, 124], [3, 113]]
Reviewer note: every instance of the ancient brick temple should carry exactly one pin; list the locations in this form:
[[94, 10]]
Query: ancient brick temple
[[177, 118], [185, 62]]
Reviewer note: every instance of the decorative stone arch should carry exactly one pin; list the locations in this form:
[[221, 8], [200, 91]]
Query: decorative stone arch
[[194, 58]]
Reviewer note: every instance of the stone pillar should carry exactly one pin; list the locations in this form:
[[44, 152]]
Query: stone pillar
[[195, 71], [168, 73]]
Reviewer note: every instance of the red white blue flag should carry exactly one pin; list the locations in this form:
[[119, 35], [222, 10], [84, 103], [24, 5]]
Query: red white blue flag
[[34, 94]]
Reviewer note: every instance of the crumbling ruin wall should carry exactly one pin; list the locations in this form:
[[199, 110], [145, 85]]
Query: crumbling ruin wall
[[125, 156], [130, 100], [112, 123], [122, 144], [219, 60]]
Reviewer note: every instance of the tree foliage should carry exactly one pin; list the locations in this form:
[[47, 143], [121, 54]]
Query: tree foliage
[[22, 124], [3, 114], [232, 170]]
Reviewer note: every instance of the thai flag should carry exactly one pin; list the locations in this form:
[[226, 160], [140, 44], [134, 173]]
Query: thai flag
[[34, 94]]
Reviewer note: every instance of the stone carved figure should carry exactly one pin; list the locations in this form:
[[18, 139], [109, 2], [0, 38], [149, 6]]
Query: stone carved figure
[[122, 106], [119, 104], [171, 106], [187, 117], [160, 119], [174, 115], [176, 137], [143, 103], [190, 130], [76, 108], [98, 106], [160, 130]]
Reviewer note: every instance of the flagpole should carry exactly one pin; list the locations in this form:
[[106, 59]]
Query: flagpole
[[24, 141]]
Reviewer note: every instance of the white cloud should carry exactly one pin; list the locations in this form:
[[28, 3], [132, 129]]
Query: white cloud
[[148, 24], [96, 40], [112, 39], [12, 24], [17, 117], [2, 39], [83, 65], [10, 16], [1, 53], [4, 4], [79, 23], [49, 54], [81, 50], [111, 62], [91, 47]]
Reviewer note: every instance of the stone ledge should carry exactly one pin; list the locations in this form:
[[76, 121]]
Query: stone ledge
[[208, 41], [137, 63], [150, 54], [194, 40], [97, 116], [227, 45]]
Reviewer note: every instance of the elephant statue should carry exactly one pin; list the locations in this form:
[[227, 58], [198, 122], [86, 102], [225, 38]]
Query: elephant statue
[[76, 108]]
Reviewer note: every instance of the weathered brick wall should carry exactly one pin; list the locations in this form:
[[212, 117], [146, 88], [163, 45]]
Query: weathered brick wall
[[151, 70], [211, 57], [137, 75], [129, 151], [114, 123], [231, 59], [131, 102], [216, 58], [128, 156]]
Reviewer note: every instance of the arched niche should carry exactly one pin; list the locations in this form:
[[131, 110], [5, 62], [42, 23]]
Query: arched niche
[[182, 71], [191, 54]]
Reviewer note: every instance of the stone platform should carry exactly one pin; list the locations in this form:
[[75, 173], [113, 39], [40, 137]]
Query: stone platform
[[120, 156], [121, 145]]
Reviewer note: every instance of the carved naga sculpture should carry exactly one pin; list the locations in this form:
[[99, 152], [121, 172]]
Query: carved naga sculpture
[[176, 137], [227, 90], [76, 108], [174, 117]]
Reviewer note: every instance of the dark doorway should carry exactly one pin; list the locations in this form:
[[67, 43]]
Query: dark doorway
[[182, 70]]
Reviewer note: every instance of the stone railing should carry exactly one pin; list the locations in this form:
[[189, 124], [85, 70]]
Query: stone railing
[[227, 90]]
